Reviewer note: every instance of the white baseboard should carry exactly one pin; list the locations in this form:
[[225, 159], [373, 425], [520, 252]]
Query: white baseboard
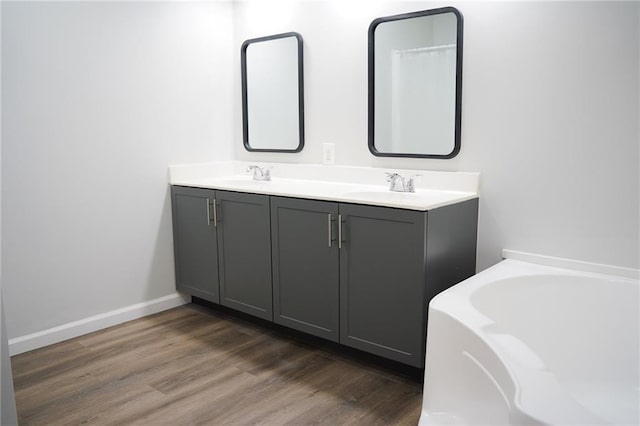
[[73, 329], [578, 265]]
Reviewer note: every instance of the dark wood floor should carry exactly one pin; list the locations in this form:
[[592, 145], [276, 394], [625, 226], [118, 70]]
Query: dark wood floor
[[191, 365]]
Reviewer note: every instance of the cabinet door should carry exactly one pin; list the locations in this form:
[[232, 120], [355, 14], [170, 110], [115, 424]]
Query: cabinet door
[[382, 282], [194, 242], [305, 265], [244, 246]]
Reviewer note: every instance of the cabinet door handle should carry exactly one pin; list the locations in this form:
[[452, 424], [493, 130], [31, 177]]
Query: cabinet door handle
[[339, 231], [215, 213], [329, 220], [208, 212]]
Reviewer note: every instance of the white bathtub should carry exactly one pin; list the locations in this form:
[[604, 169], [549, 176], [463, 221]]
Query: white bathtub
[[521, 343]]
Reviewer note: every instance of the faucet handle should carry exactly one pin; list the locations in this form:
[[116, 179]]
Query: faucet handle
[[257, 171], [410, 184], [391, 176]]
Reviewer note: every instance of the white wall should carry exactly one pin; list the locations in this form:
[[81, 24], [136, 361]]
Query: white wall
[[99, 98], [550, 114]]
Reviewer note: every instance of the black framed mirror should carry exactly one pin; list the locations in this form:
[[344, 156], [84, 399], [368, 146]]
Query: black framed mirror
[[272, 93], [415, 84]]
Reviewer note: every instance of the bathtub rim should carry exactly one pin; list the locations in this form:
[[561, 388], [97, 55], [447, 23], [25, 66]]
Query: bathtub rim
[[455, 303], [571, 264]]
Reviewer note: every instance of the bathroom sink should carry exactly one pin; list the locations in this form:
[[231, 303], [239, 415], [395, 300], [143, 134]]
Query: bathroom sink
[[240, 181], [421, 198], [382, 195], [244, 181]]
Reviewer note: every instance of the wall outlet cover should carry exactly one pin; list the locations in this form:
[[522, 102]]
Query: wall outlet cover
[[328, 154]]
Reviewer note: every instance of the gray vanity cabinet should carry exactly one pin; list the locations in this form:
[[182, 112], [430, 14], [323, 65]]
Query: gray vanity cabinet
[[392, 263], [222, 248], [371, 289], [305, 265], [382, 281], [244, 246], [355, 274], [195, 242]]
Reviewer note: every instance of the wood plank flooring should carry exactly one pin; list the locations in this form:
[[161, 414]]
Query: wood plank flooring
[[191, 365]]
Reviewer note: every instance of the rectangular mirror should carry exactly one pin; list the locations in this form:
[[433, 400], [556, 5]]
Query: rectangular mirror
[[272, 93], [415, 82]]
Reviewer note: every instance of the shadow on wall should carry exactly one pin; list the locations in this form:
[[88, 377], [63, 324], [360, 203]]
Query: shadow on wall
[[161, 266]]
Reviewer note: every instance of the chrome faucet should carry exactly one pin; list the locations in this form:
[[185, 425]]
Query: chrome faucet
[[398, 183], [260, 173]]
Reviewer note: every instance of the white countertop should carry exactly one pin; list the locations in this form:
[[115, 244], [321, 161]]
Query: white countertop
[[359, 185]]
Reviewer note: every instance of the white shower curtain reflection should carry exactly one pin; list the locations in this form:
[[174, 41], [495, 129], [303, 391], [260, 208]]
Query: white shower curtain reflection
[[423, 99]]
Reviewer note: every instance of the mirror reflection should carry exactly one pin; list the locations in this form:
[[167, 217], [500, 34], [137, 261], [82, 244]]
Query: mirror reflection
[[272, 93], [415, 77]]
